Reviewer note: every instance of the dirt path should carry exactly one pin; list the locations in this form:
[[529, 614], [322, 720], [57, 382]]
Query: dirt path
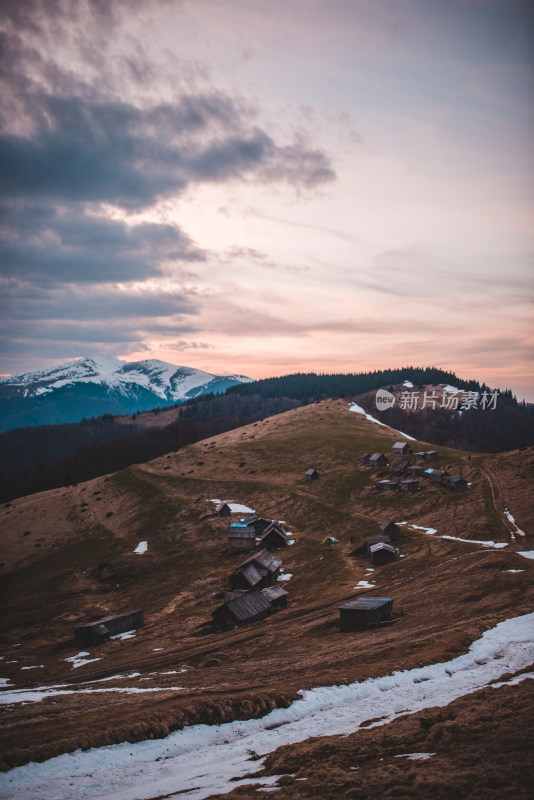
[[499, 504]]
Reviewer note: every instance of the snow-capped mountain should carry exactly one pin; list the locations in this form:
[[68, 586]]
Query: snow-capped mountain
[[95, 386]]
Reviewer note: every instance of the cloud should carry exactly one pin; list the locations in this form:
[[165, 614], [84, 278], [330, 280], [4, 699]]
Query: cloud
[[182, 344], [56, 245]]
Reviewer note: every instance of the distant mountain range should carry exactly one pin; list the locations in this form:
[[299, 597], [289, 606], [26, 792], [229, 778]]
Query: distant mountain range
[[92, 387]]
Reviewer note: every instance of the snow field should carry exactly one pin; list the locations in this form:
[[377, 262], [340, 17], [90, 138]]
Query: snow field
[[202, 760]]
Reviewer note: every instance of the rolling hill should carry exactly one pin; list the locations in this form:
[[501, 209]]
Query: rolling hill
[[69, 556]]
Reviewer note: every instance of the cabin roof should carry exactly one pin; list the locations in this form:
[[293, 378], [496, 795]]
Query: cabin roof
[[248, 605], [273, 592], [251, 573], [243, 532], [382, 546], [264, 559], [367, 603], [103, 620], [376, 456], [386, 524]]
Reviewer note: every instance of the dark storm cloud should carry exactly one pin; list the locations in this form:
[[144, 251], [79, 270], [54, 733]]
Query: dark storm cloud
[[50, 246], [83, 150]]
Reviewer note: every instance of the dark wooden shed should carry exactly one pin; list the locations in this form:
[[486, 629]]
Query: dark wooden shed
[[383, 553], [365, 612], [276, 596], [241, 536], [257, 571], [258, 523], [371, 540], [409, 485], [101, 629], [378, 460], [312, 475], [274, 536], [389, 528], [455, 482], [386, 486], [223, 510], [248, 607], [431, 455], [365, 458], [438, 476], [402, 448], [415, 471]]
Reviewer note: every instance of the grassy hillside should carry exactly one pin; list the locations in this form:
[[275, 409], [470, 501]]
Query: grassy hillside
[[69, 557]]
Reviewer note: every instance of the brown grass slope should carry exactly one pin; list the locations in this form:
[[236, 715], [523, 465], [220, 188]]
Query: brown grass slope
[[68, 558]]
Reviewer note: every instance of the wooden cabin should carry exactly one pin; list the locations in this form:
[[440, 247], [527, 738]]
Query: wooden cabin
[[389, 528], [383, 553], [378, 460], [365, 612], [431, 455], [259, 570], [242, 610], [101, 629], [365, 458], [276, 596], [401, 449], [223, 510], [274, 536], [415, 471], [438, 475], [371, 540], [455, 482], [241, 536], [409, 485], [312, 475], [259, 523], [386, 486]]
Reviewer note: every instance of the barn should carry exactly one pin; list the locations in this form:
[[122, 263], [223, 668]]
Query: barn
[[389, 528], [101, 629], [242, 610], [383, 553], [365, 612], [401, 448]]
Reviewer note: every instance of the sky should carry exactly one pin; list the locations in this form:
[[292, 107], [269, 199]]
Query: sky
[[263, 188]]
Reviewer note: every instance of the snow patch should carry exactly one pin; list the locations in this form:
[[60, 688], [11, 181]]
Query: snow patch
[[364, 585], [416, 756], [525, 553], [125, 635], [141, 548], [203, 760], [513, 570], [80, 659], [5, 681], [285, 577], [40, 666], [408, 384]]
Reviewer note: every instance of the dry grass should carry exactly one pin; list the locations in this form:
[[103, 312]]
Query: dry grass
[[449, 591]]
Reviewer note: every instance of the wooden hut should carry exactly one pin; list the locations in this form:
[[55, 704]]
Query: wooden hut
[[455, 482], [415, 471], [371, 540], [276, 596], [378, 460], [101, 629], [241, 536], [383, 553], [431, 455], [242, 610], [312, 475], [223, 510], [386, 486], [438, 476], [409, 485], [259, 570], [274, 536], [365, 458], [259, 523], [400, 465], [389, 528], [365, 612], [401, 448]]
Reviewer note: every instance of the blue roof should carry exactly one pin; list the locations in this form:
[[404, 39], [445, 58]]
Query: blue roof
[[430, 470], [238, 525]]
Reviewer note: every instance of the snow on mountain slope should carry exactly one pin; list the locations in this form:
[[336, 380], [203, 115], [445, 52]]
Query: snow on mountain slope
[[166, 381]]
